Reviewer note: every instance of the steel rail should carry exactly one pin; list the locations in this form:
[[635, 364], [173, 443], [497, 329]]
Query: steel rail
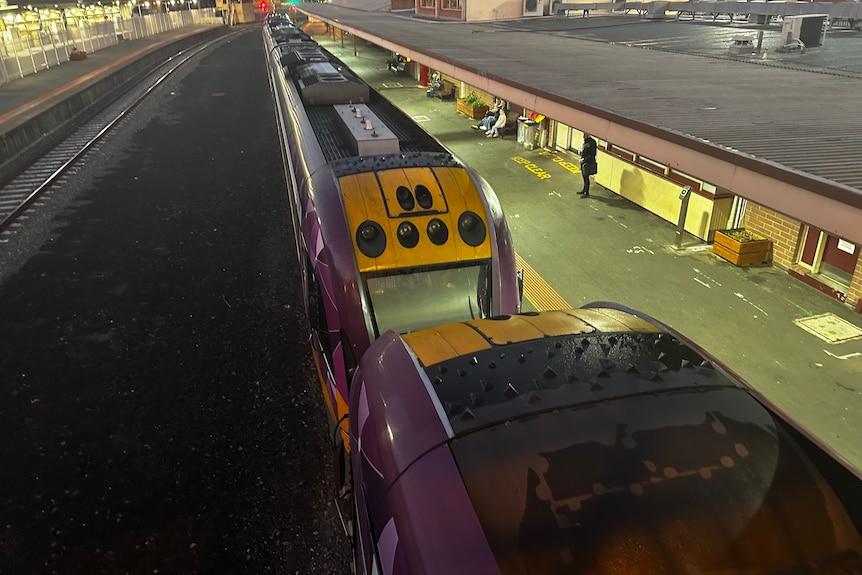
[[12, 188]]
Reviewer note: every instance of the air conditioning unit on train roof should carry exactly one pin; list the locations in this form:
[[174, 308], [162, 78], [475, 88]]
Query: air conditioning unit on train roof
[[809, 30], [366, 133], [298, 52], [321, 83]]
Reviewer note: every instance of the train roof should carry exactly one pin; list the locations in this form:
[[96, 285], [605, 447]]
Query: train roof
[[595, 440], [531, 363], [349, 118]]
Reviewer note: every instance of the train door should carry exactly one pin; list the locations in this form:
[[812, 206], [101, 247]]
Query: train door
[[321, 342], [333, 354]]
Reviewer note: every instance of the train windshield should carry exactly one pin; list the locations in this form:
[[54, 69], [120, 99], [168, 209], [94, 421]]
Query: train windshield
[[421, 298], [693, 481]]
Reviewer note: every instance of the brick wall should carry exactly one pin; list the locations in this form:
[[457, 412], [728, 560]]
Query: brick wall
[[854, 293], [785, 235], [783, 231]]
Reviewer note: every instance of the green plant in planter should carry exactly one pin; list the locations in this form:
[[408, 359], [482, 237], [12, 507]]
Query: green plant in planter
[[742, 235], [742, 247], [473, 100]]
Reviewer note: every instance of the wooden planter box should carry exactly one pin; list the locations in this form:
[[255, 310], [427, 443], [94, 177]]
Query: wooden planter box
[[475, 112], [742, 253]]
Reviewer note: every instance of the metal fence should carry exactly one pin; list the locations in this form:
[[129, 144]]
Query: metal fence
[[23, 53]]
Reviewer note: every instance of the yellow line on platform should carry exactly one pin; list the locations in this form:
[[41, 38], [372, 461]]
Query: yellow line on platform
[[537, 291]]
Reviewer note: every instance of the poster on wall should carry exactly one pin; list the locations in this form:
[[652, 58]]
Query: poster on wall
[[533, 7]]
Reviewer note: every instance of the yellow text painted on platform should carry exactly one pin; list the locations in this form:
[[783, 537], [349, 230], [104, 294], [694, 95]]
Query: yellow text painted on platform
[[563, 162], [531, 167]]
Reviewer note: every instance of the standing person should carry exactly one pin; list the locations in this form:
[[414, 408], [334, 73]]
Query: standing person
[[589, 166]]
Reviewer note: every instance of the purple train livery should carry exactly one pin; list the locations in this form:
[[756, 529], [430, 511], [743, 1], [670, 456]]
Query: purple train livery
[[392, 231], [594, 440]]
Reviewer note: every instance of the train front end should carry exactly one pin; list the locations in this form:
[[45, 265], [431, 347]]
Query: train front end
[[426, 246], [584, 441]]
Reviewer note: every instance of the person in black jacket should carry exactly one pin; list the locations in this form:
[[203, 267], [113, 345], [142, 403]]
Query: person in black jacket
[[589, 166]]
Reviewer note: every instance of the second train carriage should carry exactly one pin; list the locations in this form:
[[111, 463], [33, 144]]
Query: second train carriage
[[393, 232], [586, 441]]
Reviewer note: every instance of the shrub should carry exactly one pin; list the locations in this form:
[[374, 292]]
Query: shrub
[[473, 100]]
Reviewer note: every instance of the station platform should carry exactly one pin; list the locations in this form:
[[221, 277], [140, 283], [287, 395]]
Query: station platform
[[793, 344], [39, 103]]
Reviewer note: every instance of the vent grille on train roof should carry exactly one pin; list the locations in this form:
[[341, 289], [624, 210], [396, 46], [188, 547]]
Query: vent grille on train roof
[[334, 77], [287, 34], [321, 83], [296, 53], [324, 121], [412, 137]]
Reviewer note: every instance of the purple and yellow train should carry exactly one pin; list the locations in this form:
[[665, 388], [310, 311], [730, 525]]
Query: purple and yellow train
[[586, 441], [392, 231], [484, 441]]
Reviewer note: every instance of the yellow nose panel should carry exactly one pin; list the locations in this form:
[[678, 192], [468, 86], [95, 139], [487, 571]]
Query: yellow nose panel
[[438, 344], [411, 179], [372, 196], [446, 342]]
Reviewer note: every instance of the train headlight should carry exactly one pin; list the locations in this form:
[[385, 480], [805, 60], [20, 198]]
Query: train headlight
[[438, 233], [471, 228], [408, 235], [370, 238], [424, 197], [405, 198]]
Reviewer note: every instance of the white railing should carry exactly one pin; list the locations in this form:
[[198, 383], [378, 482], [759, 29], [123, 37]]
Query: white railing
[[849, 13], [840, 13], [22, 54]]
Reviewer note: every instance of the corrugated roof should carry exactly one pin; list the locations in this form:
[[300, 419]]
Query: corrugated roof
[[799, 111]]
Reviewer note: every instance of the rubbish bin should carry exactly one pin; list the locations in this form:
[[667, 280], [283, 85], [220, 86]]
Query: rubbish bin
[[530, 134], [529, 130]]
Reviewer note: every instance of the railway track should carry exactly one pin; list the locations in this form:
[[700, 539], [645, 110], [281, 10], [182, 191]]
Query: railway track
[[20, 194]]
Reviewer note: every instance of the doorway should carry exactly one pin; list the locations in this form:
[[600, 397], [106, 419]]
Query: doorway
[[829, 259]]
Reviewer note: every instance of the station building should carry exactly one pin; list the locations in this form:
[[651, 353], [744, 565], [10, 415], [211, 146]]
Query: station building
[[812, 232]]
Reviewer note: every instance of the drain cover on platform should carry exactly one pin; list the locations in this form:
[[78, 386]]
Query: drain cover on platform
[[829, 327]]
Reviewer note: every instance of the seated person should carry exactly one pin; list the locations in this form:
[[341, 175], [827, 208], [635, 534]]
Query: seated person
[[491, 116], [398, 63], [436, 84], [493, 131]]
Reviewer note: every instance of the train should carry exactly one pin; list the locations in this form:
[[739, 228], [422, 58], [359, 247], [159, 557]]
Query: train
[[477, 439], [592, 440], [393, 232]]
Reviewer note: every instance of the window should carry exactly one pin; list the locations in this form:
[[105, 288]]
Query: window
[[650, 165], [626, 155], [684, 179], [422, 298], [451, 4]]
